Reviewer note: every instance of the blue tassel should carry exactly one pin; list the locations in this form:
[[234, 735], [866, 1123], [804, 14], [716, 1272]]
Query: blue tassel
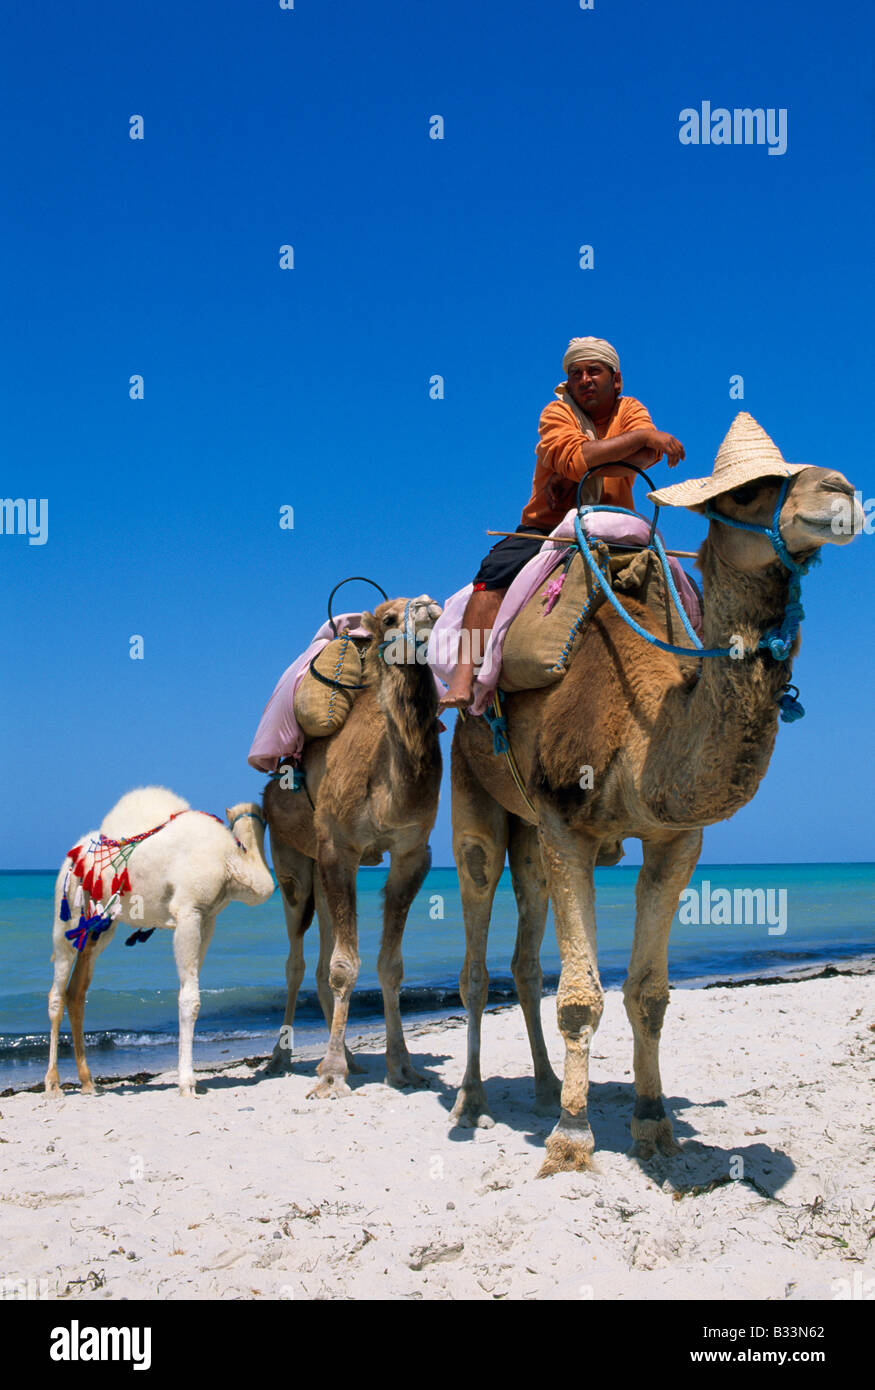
[[498, 725], [791, 710], [78, 934], [97, 924], [65, 909], [137, 936]]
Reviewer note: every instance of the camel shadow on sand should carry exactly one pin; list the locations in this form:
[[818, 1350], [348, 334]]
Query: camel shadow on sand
[[698, 1167]]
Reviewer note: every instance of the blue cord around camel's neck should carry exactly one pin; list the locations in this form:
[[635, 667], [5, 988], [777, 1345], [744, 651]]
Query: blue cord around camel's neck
[[776, 640]]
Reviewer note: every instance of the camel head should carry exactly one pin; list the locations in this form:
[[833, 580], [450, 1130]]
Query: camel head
[[388, 619], [253, 879], [820, 508]]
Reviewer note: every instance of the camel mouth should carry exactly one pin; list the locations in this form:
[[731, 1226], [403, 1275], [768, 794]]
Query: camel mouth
[[840, 525]]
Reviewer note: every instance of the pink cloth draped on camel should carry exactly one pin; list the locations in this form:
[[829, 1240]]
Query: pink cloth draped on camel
[[443, 645], [279, 735]]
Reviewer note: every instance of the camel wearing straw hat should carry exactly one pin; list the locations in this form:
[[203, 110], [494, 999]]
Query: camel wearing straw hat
[[674, 744], [374, 786]]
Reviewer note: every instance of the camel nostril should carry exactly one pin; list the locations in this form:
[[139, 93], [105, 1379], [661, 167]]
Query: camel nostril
[[834, 482]]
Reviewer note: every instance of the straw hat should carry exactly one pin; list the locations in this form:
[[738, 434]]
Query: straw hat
[[747, 453]]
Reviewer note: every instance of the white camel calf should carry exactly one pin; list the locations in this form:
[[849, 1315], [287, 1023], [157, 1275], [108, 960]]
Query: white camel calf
[[170, 866]]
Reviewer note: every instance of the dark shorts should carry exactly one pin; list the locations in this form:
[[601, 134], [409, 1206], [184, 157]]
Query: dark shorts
[[505, 560]]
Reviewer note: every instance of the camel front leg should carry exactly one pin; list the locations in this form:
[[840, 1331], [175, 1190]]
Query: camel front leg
[[665, 873], [404, 881], [323, 966], [337, 870], [294, 872], [569, 860], [479, 843], [190, 939], [530, 890]]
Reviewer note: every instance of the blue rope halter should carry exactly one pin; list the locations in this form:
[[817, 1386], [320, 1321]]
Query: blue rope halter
[[776, 640], [410, 637]]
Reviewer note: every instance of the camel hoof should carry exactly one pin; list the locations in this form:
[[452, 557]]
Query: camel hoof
[[404, 1077], [279, 1063], [88, 1088], [569, 1148], [329, 1087], [651, 1137], [470, 1110], [188, 1088]]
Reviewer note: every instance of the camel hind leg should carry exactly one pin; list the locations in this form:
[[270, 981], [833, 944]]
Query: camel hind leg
[[64, 957], [480, 835], [83, 973], [404, 881], [294, 872], [530, 890]]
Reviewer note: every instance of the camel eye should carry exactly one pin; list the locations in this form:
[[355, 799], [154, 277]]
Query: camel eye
[[743, 495]]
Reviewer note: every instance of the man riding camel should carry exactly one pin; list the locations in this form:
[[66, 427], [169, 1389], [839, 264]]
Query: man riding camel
[[591, 423]]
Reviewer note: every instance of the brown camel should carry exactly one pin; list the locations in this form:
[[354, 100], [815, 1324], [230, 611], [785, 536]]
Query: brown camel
[[671, 750], [374, 786]]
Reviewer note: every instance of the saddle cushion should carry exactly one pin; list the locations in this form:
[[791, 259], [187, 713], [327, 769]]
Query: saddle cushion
[[546, 633]]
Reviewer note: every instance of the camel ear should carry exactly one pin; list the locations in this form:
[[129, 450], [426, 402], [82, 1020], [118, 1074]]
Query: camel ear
[[228, 814], [369, 622]]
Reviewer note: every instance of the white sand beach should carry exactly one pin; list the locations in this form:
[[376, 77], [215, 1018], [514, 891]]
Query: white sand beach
[[252, 1191]]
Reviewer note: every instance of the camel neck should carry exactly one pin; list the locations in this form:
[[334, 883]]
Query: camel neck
[[407, 696], [726, 738]]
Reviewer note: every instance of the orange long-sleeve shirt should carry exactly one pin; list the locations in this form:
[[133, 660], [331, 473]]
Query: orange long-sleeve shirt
[[561, 455]]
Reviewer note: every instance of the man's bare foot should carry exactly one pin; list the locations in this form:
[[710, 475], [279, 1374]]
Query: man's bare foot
[[459, 696]]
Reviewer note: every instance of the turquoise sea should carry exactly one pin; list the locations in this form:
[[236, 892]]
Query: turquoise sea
[[827, 917]]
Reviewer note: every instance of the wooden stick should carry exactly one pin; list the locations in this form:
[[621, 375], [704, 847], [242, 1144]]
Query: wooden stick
[[569, 540]]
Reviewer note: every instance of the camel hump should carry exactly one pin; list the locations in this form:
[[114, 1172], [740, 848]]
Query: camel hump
[[141, 809]]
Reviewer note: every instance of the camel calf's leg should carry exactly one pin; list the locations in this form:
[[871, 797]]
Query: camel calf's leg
[[479, 843], [569, 860], [294, 873], [530, 890], [665, 872], [190, 939], [337, 870], [64, 955], [77, 989], [404, 881]]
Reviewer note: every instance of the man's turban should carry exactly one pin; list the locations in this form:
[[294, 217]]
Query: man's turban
[[590, 350]]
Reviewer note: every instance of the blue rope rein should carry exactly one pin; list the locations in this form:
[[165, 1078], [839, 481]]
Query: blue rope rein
[[697, 649], [778, 641]]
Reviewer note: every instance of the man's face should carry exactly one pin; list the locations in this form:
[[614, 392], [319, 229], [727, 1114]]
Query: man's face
[[595, 387]]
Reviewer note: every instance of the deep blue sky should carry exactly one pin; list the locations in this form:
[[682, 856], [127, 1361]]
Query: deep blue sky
[[412, 257]]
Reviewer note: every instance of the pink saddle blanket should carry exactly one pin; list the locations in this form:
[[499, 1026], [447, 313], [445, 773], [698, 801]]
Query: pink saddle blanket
[[443, 647]]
